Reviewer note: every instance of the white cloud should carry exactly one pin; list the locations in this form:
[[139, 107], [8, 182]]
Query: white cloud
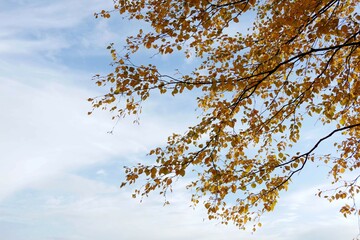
[[28, 46], [43, 28], [101, 172], [98, 211], [302, 215], [45, 15], [45, 130]]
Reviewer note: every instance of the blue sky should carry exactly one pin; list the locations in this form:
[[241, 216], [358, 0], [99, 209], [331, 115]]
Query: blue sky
[[60, 170]]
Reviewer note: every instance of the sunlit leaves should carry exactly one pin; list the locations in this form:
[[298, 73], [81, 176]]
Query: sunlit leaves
[[256, 89]]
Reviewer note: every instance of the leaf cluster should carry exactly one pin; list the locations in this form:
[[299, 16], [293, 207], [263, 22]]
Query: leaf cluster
[[300, 60]]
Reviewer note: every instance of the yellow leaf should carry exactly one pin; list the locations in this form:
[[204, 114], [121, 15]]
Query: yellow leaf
[[342, 121]]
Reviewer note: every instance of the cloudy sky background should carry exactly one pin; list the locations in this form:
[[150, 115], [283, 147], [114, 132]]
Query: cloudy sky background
[[60, 170]]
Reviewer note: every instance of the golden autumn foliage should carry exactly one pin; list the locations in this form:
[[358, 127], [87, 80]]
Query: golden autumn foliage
[[300, 60]]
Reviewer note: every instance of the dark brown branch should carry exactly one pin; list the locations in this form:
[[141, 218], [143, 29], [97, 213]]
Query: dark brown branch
[[318, 143]]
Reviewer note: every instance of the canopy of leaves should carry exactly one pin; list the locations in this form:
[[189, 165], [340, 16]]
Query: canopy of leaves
[[300, 60]]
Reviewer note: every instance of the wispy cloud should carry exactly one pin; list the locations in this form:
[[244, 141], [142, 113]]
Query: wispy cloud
[[46, 131], [45, 28]]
